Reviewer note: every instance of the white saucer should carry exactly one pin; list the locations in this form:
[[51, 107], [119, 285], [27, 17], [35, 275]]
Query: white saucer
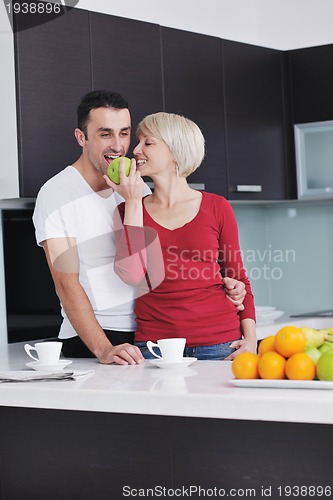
[[36, 365], [165, 364]]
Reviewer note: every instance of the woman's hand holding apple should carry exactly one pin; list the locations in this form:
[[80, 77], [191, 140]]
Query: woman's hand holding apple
[[130, 185]]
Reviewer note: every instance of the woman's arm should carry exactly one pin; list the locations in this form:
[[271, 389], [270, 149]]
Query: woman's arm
[[232, 266], [230, 257], [130, 259], [249, 341]]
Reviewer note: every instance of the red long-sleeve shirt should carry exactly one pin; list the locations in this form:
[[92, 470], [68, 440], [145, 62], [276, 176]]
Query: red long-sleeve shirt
[[190, 301]]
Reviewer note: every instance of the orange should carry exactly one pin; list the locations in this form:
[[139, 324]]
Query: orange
[[266, 345], [289, 340], [245, 365], [300, 367], [272, 365]]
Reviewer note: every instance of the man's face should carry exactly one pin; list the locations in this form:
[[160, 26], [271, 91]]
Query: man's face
[[108, 136]]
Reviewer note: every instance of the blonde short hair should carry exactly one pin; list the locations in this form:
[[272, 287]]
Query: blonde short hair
[[183, 137]]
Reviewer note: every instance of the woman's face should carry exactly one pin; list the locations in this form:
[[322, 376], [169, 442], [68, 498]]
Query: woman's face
[[153, 156]]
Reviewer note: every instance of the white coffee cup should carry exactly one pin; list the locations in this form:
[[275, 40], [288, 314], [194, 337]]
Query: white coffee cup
[[172, 350], [48, 352]]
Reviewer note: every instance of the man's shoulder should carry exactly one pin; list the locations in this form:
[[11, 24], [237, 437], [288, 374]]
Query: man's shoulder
[[61, 179], [64, 187], [59, 191]]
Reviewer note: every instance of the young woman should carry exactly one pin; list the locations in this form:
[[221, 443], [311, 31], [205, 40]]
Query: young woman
[[177, 244]]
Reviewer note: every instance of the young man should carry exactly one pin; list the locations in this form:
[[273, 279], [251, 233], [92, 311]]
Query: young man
[[73, 219]]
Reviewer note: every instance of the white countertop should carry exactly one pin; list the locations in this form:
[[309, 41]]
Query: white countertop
[[200, 390], [271, 329]]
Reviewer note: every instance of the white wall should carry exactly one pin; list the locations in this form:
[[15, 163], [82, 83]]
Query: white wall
[[279, 24], [293, 24], [8, 134], [3, 314]]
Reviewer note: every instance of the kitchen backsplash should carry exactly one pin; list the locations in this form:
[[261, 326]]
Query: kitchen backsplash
[[287, 251]]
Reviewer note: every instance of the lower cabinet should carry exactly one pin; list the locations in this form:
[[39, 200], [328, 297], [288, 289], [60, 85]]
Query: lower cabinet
[[52, 454]]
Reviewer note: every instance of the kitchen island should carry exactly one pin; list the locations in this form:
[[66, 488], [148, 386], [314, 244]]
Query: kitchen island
[[123, 430]]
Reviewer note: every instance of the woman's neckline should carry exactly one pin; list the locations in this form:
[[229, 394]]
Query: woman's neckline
[[196, 216]]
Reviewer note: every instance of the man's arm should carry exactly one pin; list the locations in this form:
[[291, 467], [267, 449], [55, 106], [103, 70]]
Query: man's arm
[[63, 261]]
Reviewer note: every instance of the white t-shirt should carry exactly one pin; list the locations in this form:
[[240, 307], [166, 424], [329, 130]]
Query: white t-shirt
[[67, 207]]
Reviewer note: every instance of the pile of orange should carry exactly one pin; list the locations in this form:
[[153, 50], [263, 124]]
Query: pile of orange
[[279, 356]]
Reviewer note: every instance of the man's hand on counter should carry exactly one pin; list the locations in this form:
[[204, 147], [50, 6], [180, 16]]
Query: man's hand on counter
[[123, 354]]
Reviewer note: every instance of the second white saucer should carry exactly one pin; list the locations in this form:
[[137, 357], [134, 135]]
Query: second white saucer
[[165, 364], [36, 365]]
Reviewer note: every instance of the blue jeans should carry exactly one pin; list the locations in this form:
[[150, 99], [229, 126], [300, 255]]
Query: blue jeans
[[217, 351]]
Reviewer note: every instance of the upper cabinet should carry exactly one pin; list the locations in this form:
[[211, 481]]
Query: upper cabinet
[[52, 74], [60, 61], [257, 125], [193, 87], [312, 83], [126, 58], [237, 93]]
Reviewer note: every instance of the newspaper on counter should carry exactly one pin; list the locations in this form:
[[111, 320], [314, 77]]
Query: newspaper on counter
[[40, 376]]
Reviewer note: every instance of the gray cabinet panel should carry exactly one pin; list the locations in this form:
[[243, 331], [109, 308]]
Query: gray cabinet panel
[[312, 83], [126, 58], [256, 122], [52, 73], [193, 87]]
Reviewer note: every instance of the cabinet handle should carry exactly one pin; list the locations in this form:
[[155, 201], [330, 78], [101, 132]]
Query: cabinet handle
[[244, 188], [200, 185]]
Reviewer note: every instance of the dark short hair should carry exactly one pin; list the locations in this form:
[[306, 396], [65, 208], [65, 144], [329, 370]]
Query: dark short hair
[[94, 100]]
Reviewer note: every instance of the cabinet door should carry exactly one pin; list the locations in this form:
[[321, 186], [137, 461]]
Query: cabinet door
[[193, 87], [255, 122], [53, 73], [312, 82], [126, 58]]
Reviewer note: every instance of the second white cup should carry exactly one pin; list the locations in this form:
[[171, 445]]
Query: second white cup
[[48, 352], [172, 350]]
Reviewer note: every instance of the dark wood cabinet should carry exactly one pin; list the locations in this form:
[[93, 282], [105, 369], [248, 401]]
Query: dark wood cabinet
[[257, 123], [52, 73], [193, 87], [82, 455], [237, 94], [312, 83], [126, 58], [32, 306]]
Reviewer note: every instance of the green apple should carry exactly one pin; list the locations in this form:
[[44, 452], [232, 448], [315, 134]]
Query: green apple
[[325, 347], [113, 168], [324, 366], [313, 352]]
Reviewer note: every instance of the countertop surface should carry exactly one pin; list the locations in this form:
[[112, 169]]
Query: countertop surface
[[200, 390], [264, 330]]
